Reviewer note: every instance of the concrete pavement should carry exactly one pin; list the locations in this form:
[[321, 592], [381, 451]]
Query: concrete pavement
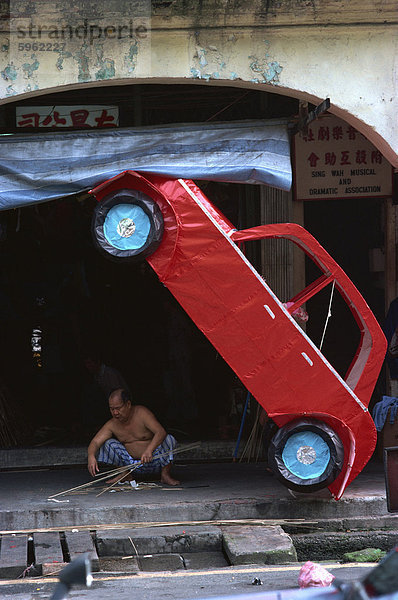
[[179, 585], [213, 494], [208, 492]]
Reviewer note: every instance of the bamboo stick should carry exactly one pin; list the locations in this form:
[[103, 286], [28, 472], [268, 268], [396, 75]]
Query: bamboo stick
[[122, 469], [176, 451], [79, 487], [143, 525], [117, 481], [112, 471]]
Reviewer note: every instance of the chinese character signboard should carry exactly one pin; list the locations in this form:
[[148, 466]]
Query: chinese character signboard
[[80, 116], [334, 160]]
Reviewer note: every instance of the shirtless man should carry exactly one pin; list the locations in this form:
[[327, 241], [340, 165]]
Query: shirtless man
[[139, 437]]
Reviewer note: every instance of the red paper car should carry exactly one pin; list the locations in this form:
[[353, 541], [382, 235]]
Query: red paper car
[[326, 434]]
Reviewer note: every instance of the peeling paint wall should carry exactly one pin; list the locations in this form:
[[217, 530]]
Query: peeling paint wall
[[308, 49]]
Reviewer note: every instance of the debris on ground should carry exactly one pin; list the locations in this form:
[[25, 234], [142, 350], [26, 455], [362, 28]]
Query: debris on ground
[[314, 575]]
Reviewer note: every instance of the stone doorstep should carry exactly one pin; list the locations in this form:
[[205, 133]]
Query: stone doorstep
[[158, 540], [258, 545]]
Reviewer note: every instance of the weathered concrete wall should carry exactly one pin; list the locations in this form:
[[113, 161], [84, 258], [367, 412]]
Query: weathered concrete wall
[[308, 49]]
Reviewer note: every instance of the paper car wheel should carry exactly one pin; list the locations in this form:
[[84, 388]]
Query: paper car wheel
[[306, 455], [127, 225]]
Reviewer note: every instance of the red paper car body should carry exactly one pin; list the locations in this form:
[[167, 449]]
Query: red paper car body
[[326, 434]]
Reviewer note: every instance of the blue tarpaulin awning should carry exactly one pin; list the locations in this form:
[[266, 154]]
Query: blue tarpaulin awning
[[41, 167]]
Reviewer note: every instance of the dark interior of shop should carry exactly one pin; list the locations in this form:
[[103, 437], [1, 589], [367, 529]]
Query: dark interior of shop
[[61, 301], [359, 226]]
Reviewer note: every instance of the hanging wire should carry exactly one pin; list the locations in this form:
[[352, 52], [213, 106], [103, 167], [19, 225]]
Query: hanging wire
[[328, 315], [225, 107]]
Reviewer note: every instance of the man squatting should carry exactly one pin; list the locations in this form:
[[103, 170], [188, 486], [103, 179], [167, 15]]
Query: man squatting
[[133, 434]]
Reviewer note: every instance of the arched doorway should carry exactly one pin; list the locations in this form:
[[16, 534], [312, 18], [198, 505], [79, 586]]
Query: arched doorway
[[84, 304]]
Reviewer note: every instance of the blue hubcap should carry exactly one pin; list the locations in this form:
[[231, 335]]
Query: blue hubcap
[[127, 227], [306, 454]]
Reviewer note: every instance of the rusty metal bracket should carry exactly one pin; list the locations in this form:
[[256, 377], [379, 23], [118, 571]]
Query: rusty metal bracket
[[308, 116]]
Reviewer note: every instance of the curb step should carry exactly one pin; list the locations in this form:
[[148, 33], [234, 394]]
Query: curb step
[[61, 516], [152, 549]]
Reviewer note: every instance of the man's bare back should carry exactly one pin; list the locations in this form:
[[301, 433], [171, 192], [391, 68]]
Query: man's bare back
[[136, 428]]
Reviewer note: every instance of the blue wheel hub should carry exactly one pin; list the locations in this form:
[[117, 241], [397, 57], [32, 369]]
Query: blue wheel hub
[[306, 455], [127, 227]]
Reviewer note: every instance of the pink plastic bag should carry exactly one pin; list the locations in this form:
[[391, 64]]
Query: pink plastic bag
[[314, 575]]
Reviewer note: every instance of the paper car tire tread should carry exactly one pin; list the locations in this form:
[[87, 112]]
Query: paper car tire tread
[[151, 209], [289, 479]]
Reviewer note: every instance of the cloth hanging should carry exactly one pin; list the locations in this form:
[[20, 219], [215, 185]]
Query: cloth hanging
[[41, 167], [380, 411]]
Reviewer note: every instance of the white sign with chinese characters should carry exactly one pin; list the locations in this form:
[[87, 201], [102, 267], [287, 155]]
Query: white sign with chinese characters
[[79, 116], [334, 160]]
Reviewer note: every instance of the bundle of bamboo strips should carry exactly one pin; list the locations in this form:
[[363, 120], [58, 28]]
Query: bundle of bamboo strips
[[120, 473], [253, 448], [143, 525]]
